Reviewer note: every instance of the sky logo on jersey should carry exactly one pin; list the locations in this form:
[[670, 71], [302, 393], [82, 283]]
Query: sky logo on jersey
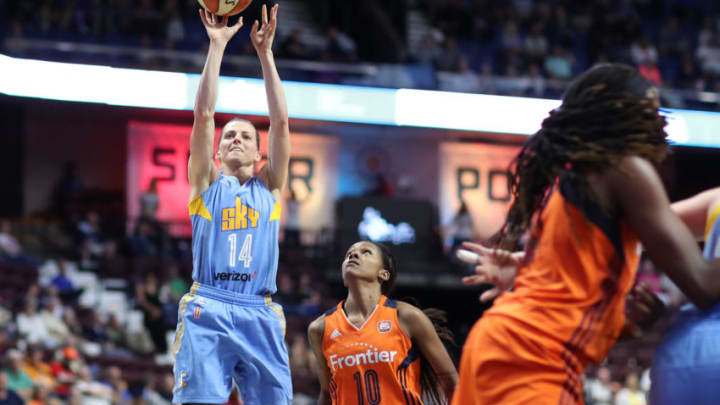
[[233, 276], [384, 326], [366, 357], [239, 217]]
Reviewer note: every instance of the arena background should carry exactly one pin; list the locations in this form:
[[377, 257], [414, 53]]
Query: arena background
[[75, 246]]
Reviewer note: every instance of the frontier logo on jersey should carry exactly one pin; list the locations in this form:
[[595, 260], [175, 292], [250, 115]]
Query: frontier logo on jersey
[[366, 357], [384, 326], [232, 276]]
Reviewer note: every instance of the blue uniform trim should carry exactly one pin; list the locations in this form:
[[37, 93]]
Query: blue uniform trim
[[609, 225], [391, 303], [412, 355], [331, 311]]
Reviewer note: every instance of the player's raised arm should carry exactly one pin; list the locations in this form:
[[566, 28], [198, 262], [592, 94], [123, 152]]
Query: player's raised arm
[[639, 193], [201, 168], [315, 335], [274, 174]]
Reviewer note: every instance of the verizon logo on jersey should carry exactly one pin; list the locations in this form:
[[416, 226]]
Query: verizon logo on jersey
[[232, 276], [368, 357]]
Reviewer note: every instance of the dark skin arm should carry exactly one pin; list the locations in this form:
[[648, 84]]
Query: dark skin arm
[[315, 335], [635, 189], [422, 332]]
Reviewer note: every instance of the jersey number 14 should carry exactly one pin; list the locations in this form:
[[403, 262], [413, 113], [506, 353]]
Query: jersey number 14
[[245, 255]]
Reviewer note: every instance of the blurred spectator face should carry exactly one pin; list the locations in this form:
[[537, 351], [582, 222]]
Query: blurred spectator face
[[84, 373], [40, 393], [285, 283], [603, 375], [36, 355], [113, 373], [3, 381], [167, 384], [151, 282], [632, 381], [113, 321], [304, 280], [93, 218], [16, 359], [30, 308], [69, 317], [53, 303]]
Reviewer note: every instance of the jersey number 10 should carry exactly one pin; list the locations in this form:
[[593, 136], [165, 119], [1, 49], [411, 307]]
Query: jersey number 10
[[372, 387], [245, 252]]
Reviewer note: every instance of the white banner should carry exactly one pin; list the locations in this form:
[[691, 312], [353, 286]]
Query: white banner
[[476, 174]]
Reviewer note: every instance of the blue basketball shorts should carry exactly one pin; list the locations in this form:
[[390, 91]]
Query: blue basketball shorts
[[686, 365], [222, 336]]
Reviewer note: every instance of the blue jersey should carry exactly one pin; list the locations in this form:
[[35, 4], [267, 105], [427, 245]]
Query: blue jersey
[[686, 365], [712, 235], [235, 236]]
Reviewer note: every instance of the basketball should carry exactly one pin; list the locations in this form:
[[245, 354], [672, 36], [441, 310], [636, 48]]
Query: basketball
[[225, 7]]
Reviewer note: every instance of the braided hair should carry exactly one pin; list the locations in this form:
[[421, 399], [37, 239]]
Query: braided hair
[[605, 114], [429, 380]]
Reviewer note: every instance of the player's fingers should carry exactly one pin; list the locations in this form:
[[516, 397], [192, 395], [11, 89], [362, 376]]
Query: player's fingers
[[237, 26], [476, 247], [474, 279], [202, 16], [264, 14], [273, 13], [489, 294]]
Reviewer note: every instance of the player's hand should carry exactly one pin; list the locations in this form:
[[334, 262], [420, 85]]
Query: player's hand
[[217, 27], [493, 266], [262, 38], [644, 308]]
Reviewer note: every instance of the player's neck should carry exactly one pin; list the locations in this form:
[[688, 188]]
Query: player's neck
[[362, 301], [242, 172]]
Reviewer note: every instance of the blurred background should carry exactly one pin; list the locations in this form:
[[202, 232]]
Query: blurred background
[[94, 234]]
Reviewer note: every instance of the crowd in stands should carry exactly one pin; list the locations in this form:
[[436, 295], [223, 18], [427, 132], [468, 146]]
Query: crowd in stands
[[520, 47], [88, 312]]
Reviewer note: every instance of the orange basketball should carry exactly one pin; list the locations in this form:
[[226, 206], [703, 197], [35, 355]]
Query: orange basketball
[[224, 7]]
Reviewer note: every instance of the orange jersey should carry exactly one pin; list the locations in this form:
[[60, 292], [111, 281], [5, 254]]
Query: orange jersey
[[567, 309], [373, 364]]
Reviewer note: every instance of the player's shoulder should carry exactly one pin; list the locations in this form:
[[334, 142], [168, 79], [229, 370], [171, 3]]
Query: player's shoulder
[[317, 326], [408, 312]]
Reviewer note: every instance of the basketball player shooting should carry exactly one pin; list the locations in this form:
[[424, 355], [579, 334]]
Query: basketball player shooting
[[228, 326]]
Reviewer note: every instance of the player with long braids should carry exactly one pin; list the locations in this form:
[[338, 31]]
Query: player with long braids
[[585, 188]]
